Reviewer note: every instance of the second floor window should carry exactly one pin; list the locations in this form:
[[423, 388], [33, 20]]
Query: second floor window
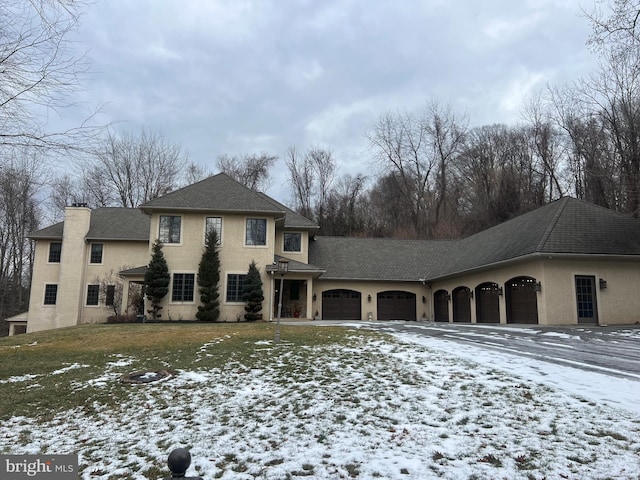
[[182, 290], [292, 242], [93, 294], [55, 249], [214, 223], [256, 231], [169, 228], [96, 253]]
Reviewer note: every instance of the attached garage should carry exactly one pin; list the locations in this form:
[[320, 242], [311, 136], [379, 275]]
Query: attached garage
[[341, 304], [488, 303], [397, 305], [522, 300]]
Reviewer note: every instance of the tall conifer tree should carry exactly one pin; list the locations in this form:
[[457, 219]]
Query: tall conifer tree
[[156, 280], [208, 280], [252, 293]]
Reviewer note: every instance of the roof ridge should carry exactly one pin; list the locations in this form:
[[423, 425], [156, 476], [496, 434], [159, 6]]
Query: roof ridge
[[552, 224]]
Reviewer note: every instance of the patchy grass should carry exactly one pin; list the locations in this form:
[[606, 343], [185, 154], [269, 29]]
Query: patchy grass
[[329, 402]]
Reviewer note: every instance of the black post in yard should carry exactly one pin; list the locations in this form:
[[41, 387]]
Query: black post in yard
[[179, 461], [283, 267]]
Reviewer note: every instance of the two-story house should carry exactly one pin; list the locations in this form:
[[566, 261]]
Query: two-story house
[[568, 262]]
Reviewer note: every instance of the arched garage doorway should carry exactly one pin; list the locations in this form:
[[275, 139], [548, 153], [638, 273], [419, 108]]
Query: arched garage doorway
[[396, 305], [441, 305], [522, 300], [487, 303], [461, 304], [341, 304]]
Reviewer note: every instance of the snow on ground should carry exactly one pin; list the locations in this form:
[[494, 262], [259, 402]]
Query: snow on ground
[[370, 410]]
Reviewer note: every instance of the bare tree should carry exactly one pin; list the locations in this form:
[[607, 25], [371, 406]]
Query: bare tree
[[40, 72], [19, 216], [250, 170], [301, 178], [615, 25], [136, 168]]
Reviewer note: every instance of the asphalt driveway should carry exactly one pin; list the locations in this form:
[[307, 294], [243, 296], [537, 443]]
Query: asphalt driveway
[[610, 350]]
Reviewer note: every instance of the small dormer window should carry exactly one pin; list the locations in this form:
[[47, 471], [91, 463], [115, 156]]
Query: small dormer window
[[292, 242]]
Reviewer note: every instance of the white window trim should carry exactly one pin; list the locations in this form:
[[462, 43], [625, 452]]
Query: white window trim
[[266, 233], [301, 243], [44, 293], [101, 256], [86, 294], [195, 288], [171, 244], [226, 285]]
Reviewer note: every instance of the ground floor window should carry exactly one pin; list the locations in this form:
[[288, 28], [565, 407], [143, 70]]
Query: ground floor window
[[50, 294], [235, 284], [183, 285], [93, 292]]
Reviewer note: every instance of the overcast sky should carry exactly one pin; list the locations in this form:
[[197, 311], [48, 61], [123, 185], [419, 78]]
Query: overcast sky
[[245, 76]]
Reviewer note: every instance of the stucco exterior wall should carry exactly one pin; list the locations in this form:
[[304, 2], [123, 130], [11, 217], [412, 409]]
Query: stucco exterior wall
[[303, 255], [618, 303], [42, 317], [235, 256]]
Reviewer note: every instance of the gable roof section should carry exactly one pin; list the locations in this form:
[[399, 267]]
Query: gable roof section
[[352, 258], [219, 192]]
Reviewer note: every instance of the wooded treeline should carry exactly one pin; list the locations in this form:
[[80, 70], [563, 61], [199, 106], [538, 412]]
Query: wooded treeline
[[430, 174]]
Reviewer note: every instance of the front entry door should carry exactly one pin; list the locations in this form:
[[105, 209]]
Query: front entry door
[[586, 299]]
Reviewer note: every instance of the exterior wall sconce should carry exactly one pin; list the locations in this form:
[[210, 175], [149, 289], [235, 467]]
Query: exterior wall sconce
[[369, 298], [448, 297], [314, 297], [424, 299], [499, 290], [603, 283], [470, 294], [537, 287]]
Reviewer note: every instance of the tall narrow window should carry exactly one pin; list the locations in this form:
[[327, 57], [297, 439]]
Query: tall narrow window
[[235, 284], [110, 295], [183, 285], [55, 249], [169, 228], [214, 223], [93, 292], [256, 231], [96, 253], [292, 242], [50, 294]]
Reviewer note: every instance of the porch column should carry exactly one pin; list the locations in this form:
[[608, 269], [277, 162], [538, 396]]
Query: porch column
[[310, 305]]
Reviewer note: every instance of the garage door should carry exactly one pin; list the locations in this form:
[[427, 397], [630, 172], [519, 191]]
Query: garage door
[[441, 306], [487, 303], [461, 304], [522, 300], [396, 305], [341, 304]]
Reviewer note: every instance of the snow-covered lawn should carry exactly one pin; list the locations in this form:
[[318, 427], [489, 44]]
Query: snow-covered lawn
[[373, 409]]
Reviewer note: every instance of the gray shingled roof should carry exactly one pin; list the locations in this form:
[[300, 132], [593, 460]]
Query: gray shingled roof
[[108, 223], [564, 227], [292, 219], [218, 192], [377, 258], [113, 223], [294, 266], [52, 232]]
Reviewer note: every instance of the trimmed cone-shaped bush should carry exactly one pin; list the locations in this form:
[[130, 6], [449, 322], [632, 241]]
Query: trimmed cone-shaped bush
[[208, 280], [252, 293], [156, 280]]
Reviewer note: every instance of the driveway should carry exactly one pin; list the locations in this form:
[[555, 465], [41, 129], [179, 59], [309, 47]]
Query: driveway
[[611, 350]]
